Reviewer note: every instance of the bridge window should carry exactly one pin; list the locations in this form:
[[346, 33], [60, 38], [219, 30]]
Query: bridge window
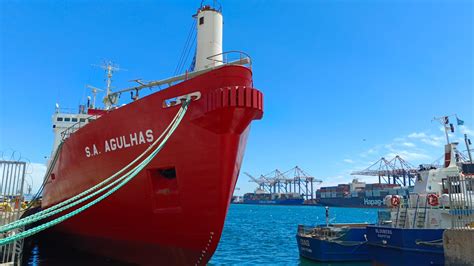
[[201, 20], [59, 119], [74, 120], [82, 120], [67, 119]]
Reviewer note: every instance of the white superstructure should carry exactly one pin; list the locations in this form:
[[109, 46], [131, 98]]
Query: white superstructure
[[442, 197], [66, 123]]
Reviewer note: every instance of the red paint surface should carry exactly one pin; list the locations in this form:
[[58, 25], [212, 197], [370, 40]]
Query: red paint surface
[[154, 220]]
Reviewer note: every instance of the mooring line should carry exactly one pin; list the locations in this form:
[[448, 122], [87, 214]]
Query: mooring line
[[126, 179]]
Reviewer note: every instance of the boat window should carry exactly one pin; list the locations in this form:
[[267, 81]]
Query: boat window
[[82, 120], [201, 20], [444, 183], [59, 119], [67, 119], [74, 120], [90, 119]]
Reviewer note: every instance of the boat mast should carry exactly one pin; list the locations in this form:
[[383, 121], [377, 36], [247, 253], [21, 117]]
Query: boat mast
[[444, 120], [468, 142], [209, 24], [109, 68]]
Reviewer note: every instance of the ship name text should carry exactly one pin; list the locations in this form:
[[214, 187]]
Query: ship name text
[[383, 233], [121, 142]]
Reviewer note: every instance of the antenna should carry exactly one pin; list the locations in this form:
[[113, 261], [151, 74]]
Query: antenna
[[109, 68], [468, 143], [94, 94], [444, 120]]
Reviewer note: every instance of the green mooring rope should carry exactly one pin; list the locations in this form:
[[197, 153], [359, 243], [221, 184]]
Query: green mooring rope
[[133, 173], [57, 208]]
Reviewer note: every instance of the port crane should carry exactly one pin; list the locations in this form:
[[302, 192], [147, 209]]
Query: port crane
[[394, 171], [294, 180], [261, 182]]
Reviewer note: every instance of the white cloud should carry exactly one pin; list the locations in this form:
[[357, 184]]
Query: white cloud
[[417, 135], [408, 144], [334, 180], [465, 130], [370, 151], [436, 141], [348, 161], [409, 155], [35, 175]]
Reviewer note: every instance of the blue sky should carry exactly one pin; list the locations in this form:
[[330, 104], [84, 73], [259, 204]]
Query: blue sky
[[333, 73]]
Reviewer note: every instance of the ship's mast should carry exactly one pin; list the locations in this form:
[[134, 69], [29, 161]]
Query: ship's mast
[[468, 143], [109, 68], [444, 120], [209, 36]]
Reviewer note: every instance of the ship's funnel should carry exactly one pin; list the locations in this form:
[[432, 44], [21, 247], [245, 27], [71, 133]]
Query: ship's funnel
[[209, 38]]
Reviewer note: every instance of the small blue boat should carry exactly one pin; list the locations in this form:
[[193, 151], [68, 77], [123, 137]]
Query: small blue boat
[[411, 231], [333, 242], [403, 246]]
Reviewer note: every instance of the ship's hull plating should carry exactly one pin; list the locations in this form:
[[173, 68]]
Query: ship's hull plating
[[397, 246], [174, 218], [335, 251]]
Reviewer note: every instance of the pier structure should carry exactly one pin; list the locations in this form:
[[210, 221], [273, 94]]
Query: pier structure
[[395, 171], [11, 200], [461, 207], [295, 180]]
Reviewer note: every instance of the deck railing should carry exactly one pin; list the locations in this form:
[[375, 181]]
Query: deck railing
[[232, 58], [74, 127]]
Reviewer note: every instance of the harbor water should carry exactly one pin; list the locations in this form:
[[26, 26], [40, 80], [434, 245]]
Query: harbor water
[[253, 235]]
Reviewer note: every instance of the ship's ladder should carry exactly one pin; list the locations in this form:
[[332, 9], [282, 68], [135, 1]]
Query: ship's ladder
[[420, 215], [13, 231], [402, 215]]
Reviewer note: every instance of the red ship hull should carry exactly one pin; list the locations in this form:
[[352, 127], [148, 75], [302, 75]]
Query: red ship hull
[[175, 218]]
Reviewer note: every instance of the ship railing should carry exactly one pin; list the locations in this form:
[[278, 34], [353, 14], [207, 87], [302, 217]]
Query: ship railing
[[65, 110], [321, 231], [461, 201], [233, 57], [215, 5], [74, 127], [225, 58], [305, 229]]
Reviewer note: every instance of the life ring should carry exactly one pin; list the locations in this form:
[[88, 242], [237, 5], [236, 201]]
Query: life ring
[[433, 200], [395, 200]]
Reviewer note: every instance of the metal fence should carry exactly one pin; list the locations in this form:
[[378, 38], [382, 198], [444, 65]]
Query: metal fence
[[461, 201], [11, 199]]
